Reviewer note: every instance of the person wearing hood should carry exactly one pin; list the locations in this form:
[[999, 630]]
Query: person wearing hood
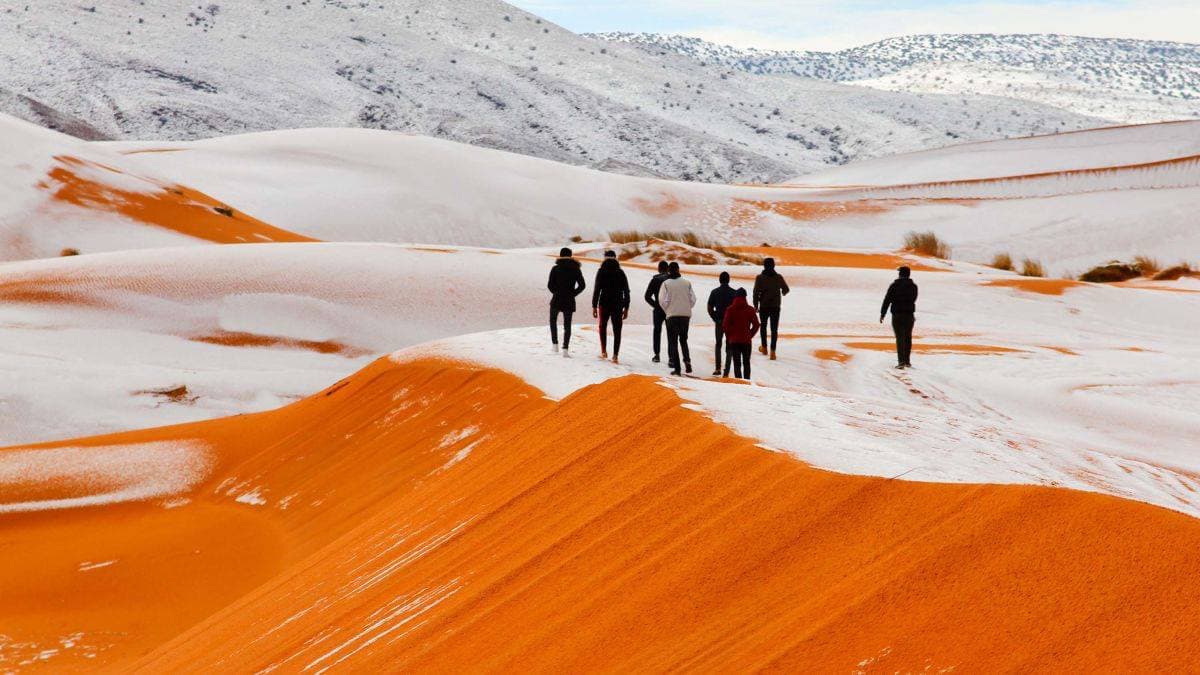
[[901, 298], [740, 324], [769, 289], [610, 302], [652, 289], [566, 282], [676, 299], [718, 301]]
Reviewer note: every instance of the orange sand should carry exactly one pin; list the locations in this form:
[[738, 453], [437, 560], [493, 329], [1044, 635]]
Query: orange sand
[[926, 348], [587, 535], [173, 207], [237, 339], [816, 210], [1036, 285], [832, 355], [820, 258]]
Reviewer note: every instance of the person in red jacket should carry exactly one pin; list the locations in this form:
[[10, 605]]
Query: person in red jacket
[[740, 325]]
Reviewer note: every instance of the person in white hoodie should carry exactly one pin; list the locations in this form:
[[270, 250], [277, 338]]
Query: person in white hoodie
[[676, 299]]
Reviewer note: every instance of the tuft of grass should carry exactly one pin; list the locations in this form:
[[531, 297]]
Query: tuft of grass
[[740, 256], [628, 253], [927, 243], [685, 237], [223, 210], [1176, 272], [1032, 268], [1111, 273], [575, 239], [1003, 261], [69, 251], [1146, 265]]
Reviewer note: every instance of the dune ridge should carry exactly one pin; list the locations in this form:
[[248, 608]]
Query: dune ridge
[[425, 516]]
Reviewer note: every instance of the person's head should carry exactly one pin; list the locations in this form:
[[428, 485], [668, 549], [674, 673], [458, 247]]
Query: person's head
[[565, 252], [741, 293], [724, 278], [663, 266], [769, 264], [904, 272], [673, 269], [609, 263], [610, 254]]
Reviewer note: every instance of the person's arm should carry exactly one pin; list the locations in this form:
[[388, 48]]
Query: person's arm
[[596, 292], [712, 303], [691, 296], [550, 281], [664, 296], [580, 284], [652, 293], [756, 296], [887, 302], [755, 324], [783, 283], [915, 291], [625, 296]]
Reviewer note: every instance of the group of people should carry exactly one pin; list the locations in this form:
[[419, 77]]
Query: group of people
[[671, 299]]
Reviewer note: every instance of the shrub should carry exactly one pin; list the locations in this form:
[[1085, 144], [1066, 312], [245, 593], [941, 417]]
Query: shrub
[[223, 210], [631, 252], [576, 239], [1110, 273], [927, 243], [685, 237], [1146, 265], [1003, 261], [1176, 272], [69, 251], [1032, 268]]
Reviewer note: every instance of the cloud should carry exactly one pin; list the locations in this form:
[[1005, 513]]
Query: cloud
[[832, 24]]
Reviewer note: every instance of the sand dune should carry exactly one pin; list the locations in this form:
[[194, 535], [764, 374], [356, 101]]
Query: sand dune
[[423, 516]]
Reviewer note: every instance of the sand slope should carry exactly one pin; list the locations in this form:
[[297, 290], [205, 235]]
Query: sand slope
[[426, 516]]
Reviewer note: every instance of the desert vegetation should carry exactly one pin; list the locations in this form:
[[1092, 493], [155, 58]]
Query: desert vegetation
[[1002, 261], [69, 251], [928, 244], [1032, 268], [1142, 267], [685, 237]]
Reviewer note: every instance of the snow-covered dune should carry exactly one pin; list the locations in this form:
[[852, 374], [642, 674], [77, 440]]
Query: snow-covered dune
[[1070, 201], [1089, 149], [58, 193]]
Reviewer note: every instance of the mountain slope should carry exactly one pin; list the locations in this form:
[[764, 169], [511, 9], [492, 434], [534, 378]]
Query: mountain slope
[[477, 71], [1120, 80]]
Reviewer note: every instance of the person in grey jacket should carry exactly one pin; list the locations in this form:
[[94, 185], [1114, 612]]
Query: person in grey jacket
[[676, 299]]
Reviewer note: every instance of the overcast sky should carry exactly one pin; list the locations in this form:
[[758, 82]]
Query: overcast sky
[[837, 24]]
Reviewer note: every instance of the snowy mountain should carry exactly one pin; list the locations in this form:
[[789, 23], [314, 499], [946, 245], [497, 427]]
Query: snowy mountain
[[477, 71], [1127, 81]]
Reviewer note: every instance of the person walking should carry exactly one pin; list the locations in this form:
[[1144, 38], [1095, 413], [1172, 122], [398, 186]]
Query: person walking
[[901, 297], [769, 289], [566, 282], [740, 324], [677, 299], [660, 318], [718, 302], [610, 302]]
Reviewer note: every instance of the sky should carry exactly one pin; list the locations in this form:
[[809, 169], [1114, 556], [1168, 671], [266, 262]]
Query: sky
[[834, 24]]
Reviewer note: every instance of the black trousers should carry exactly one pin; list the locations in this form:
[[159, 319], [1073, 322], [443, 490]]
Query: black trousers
[[902, 326], [566, 326], [660, 318], [740, 354], [769, 317], [719, 337], [677, 340], [614, 315]]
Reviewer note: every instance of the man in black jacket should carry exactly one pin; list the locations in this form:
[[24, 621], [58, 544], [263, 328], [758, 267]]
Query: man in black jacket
[[610, 302], [902, 299], [566, 282], [769, 289], [660, 317], [718, 301]]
